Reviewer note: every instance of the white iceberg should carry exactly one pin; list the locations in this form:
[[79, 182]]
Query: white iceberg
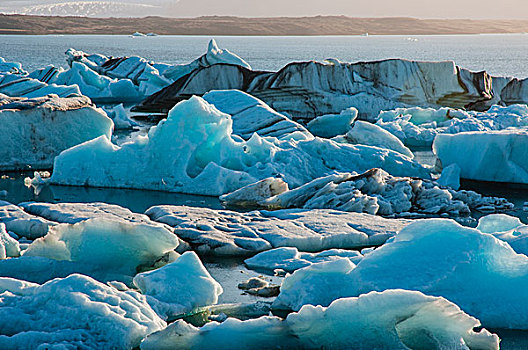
[[373, 192], [395, 319], [179, 287], [498, 156], [194, 151], [478, 272], [418, 126], [36, 130], [74, 312], [366, 133], [290, 259], [222, 232]]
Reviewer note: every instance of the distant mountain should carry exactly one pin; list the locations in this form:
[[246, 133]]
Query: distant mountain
[[217, 25], [91, 9]]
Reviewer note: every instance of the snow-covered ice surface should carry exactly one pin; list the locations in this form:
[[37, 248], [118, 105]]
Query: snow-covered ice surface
[[76, 312], [395, 319], [36, 130], [179, 287], [373, 192], [418, 126], [366, 133], [223, 232], [22, 223], [208, 160], [290, 259], [483, 275], [499, 156]]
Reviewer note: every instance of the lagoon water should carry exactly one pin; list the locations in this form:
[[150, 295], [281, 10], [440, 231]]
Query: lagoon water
[[499, 54]]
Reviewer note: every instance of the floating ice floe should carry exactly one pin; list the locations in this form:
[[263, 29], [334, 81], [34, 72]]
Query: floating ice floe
[[395, 319], [36, 130], [194, 151], [483, 275], [498, 156], [418, 126], [222, 232], [250, 115], [11, 67], [331, 125], [74, 312], [179, 287], [306, 90], [290, 259], [373, 192]]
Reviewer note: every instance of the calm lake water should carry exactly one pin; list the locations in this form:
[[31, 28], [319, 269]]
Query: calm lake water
[[501, 55]]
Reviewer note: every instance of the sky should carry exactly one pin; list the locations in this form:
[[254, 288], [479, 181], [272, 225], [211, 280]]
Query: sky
[[505, 9]]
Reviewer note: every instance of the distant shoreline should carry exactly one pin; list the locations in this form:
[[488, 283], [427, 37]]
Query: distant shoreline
[[243, 26]]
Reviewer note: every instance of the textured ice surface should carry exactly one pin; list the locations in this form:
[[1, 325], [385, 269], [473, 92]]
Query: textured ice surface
[[395, 319], [483, 275], [208, 160], [22, 223], [17, 85], [76, 312], [373, 192], [179, 287], [222, 232], [36, 130], [251, 115], [9, 246], [498, 156], [418, 126]]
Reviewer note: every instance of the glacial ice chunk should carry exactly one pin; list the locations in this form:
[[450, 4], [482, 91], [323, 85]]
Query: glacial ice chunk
[[331, 125], [72, 312], [393, 319], [179, 287]]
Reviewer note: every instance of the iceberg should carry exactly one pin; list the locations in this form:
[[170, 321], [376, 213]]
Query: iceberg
[[373, 192], [436, 256], [179, 287], [290, 259], [498, 156], [223, 232], [106, 246], [331, 125], [11, 67], [306, 90], [250, 115], [366, 133], [17, 85], [418, 126], [73, 312], [506, 228], [21, 223], [194, 151], [35, 130], [132, 78], [394, 319]]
